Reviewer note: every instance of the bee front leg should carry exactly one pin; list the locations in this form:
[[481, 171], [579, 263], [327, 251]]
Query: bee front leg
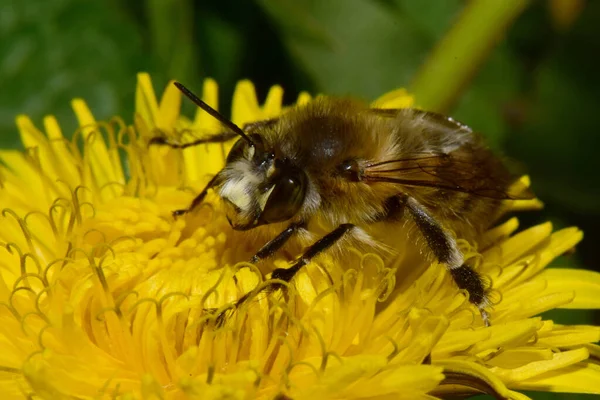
[[276, 243], [198, 199], [221, 137], [443, 245]]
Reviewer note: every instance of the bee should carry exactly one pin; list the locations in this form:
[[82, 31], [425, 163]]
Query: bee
[[339, 164]]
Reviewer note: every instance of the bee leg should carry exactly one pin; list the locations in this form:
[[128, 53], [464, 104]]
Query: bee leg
[[221, 137], [443, 245], [275, 244], [198, 199], [286, 274]]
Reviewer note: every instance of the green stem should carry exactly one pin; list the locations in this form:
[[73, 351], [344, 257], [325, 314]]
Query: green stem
[[461, 52], [171, 25]]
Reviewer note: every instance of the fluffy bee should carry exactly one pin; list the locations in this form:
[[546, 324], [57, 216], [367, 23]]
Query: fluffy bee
[[340, 164]]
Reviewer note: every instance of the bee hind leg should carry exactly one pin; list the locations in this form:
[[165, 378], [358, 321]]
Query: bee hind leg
[[468, 279], [444, 247]]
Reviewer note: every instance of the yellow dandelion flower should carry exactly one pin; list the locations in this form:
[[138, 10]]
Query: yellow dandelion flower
[[104, 294]]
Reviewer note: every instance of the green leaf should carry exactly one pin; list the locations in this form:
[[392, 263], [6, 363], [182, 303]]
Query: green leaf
[[353, 47], [560, 138], [483, 104], [459, 55], [435, 21], [171, 24], [55, 50], [368, 48], [222, 45]]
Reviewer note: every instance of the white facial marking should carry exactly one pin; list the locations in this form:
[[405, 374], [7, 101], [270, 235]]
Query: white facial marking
[[235, 192], [240, 183]]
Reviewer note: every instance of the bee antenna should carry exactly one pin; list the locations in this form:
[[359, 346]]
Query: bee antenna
[[214, 113]]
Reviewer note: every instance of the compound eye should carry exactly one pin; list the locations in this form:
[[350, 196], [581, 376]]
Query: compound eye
[[286, 198]]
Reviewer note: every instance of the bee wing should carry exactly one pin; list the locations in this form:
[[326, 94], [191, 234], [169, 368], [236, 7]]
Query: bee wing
[[439, 123], [471, 168]]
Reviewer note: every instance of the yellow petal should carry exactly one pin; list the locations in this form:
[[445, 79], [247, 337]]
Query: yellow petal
[[169, 107], [507, 334], [535, 305], [205, 160], [210, 95], [532, 264], [536, 368], [517, 357], [585, 284], [30, 135], [471, 375], [594, 350], [63, 151], [562, 336], [407, 382], [245, 106], [518, 245], [96, 150], [272, 106], [560, 242], [517, 189], [427, 332], [398, 98], [303, 98], [579, 378], [526, 205], [459, 340], [24, 173], [498, 233], [39, 150], [366, 376], [145, 101]]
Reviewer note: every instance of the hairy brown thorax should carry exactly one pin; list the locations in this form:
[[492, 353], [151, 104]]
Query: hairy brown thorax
[[415, 146]]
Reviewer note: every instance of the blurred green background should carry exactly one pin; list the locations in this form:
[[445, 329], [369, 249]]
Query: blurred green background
[[533, 89]]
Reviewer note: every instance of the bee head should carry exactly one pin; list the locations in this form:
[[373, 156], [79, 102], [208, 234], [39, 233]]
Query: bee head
[[259, 188]]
